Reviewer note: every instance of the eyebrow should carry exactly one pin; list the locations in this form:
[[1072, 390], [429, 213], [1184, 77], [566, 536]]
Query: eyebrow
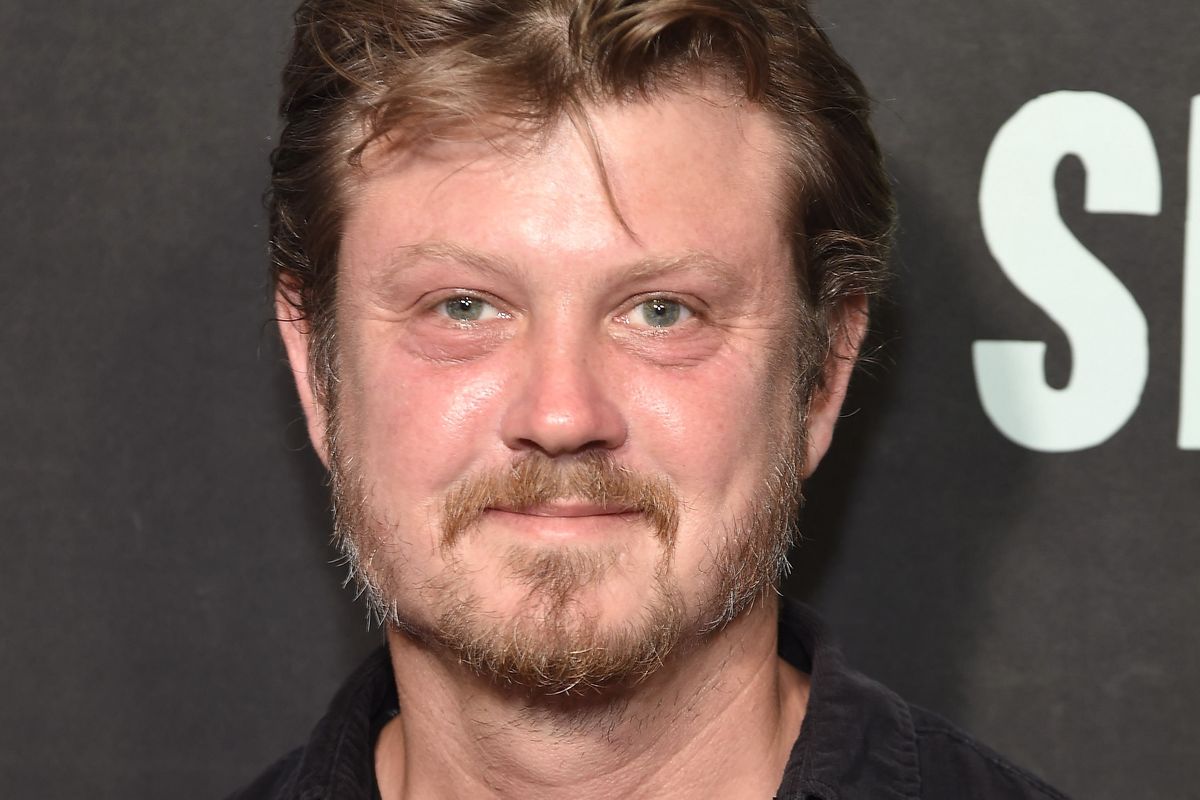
[[721, 272], [448, 251], [718, 270]]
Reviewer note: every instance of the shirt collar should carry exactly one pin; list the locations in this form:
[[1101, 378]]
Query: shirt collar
[[339, 759], [857, 739]]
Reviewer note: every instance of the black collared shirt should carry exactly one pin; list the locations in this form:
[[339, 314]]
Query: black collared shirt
[[859, 741]]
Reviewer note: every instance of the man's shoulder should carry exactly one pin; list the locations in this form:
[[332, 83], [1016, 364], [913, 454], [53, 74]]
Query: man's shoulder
[[338, 759], [952, 760], [861, 739], [276, 782]]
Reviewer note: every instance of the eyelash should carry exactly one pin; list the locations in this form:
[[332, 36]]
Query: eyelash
[[690, 310], [439, 307]]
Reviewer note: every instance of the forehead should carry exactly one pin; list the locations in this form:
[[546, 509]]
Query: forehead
[[690, 172]]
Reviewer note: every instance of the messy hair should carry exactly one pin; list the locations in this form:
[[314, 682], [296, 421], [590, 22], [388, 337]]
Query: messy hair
[[399, 71]]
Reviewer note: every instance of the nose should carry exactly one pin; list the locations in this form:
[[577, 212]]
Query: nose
[[561, 403]]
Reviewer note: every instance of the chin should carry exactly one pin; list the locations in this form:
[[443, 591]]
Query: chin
[[551, 620], [561, 642]]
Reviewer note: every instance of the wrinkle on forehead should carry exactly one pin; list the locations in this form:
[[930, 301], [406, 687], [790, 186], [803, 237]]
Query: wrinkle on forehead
[[696, 174], [715, 269]]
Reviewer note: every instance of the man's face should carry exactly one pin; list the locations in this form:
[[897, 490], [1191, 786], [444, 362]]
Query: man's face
[[551, 437]]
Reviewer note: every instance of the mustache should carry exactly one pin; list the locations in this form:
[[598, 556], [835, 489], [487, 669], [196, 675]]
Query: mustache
[[536, 479]]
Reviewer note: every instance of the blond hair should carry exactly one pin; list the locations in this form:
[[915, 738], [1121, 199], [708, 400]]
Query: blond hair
[[404, 69]]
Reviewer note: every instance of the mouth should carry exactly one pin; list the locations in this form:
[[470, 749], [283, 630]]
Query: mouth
[[568, 509], [566, 520]]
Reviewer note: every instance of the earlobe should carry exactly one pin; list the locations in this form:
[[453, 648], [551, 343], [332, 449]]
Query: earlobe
[[826, 404], [296, 334]]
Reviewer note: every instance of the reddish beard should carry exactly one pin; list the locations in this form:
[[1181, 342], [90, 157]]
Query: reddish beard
[[557, 646]]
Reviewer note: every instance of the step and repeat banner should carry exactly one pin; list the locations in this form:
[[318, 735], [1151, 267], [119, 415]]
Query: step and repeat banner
[[1005, 530]]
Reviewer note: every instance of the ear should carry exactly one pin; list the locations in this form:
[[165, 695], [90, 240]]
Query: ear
[[826, 404], [297, 338]]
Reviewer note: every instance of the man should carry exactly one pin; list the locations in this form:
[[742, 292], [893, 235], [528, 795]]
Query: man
[[573, 290]]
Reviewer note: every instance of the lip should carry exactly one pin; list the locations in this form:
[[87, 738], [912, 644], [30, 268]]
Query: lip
[[568, 510]]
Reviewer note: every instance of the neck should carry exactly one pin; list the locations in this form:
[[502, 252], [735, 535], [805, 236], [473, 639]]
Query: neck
[[460, 736]]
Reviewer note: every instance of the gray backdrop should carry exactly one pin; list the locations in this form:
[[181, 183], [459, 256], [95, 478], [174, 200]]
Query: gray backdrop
[[171, 621]]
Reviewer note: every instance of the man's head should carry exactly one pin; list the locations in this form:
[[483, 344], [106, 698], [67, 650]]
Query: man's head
[[575, 287]]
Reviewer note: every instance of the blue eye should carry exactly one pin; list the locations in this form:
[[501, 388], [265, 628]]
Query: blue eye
[[467, 308], [659, 312]]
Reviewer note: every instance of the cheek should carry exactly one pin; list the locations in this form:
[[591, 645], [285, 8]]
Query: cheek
[[704, 425], [422, 425]]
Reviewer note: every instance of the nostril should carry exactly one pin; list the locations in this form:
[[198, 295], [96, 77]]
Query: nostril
[[591, 445]]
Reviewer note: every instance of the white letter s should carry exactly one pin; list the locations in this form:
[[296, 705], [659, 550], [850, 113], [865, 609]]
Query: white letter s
[[1025, 233]]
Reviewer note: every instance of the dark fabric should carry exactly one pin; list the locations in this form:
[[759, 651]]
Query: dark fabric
[[859, 741]]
